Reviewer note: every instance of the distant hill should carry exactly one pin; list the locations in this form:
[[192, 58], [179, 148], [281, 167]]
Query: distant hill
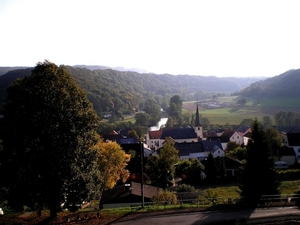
[[125, 91], [283, 85], [4, 70]]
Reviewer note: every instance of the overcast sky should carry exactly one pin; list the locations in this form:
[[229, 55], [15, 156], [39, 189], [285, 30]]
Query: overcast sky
[[214, 37]]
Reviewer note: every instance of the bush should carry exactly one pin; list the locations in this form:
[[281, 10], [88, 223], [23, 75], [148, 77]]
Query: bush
[[185, 188], [208, 197], [165, 197]]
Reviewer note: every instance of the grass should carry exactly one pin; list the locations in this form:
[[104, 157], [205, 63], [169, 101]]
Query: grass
[[234, 114]]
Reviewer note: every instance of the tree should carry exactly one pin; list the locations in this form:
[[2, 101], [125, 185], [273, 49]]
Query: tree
[[50, 129], [240, 153], [112, 161], [161, 168], [211, 169], [259, 167], [153, 109], [175, 108], [132, 133], [231, 145], [267, 121], [142, 119], [190, 170]]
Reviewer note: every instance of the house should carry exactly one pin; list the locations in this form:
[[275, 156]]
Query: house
[[287, 155], [180, 135], [199, 150], [233, 136], [223, 139], [128, 193], [291, 138], [232, 165], [247, 137], [153, 139], [242, 130], [119, 138]]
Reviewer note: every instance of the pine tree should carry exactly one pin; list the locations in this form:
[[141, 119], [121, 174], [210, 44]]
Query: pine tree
[[258, 175]]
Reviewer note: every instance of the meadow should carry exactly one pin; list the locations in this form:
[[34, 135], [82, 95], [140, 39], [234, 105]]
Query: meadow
[[234, 114]]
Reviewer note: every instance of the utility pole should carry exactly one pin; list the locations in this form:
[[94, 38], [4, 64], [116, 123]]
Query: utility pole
[[142, 171]]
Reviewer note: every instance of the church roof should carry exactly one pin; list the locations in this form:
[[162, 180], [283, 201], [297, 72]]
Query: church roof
[[179, 133]]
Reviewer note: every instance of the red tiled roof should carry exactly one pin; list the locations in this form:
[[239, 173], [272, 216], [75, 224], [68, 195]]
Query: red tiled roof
[[228, 133], [155, 134]]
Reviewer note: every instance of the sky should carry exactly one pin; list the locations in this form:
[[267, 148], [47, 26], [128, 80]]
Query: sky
[[223, 38]]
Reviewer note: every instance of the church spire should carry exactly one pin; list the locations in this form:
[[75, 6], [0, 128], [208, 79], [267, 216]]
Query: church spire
[[197, 120]]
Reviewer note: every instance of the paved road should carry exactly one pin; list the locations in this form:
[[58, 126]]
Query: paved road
[[196, 218]]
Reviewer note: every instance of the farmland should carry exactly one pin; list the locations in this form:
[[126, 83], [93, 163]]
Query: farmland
[[234, 114]]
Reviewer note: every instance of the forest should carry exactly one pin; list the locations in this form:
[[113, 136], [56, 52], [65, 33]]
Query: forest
[[122, 93], [283, 85]]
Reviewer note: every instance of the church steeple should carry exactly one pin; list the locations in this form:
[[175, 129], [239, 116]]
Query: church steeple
[[197, 120], [198, 127]]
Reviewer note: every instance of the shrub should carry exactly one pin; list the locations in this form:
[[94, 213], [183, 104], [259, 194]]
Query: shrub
[[209, 196], [185, 188], [165, 197]]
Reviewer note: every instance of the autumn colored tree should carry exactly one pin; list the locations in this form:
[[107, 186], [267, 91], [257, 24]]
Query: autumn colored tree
[[49, 131], [112, 161]]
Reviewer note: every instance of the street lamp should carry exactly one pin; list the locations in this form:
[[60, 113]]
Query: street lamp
[[142, 171]]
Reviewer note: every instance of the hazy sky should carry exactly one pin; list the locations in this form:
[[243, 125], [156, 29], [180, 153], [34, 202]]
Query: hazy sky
[[212, 37]]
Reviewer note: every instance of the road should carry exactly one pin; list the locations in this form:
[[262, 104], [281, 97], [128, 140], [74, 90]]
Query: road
[[196, 218]]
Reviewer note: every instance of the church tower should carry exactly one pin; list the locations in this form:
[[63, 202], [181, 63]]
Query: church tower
[[198, 127]]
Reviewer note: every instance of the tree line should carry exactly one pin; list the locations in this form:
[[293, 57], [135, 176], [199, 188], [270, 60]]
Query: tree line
[[122, 93]]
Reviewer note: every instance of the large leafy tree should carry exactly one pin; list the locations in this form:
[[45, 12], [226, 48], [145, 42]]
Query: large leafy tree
[[190, 170], [259, 176], [50, 129], [112, 161], [175, 108], [161, 168]]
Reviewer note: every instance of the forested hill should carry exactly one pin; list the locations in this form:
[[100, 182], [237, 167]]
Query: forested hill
[[283, 85], [111, 90]]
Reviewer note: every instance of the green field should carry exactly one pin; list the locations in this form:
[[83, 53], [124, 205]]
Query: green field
[[234, 114]]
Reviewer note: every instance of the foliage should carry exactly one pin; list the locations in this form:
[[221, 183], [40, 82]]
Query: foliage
[[175, 109], [214, 168], [283, 119], [112, 161], [259, 166], [273, 139], [209, 196], [165, 196], [231, 145], [152, 108], [132, 133], [143, 119], [189, 170], [240, 153], [160, 168], [284, 85], [50, 129], [267, 121], [185, 188]]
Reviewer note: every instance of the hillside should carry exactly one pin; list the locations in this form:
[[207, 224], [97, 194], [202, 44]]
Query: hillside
[[124, 91], [283, 85]]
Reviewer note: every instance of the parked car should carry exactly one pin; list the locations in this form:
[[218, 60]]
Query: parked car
[[281, 165]]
